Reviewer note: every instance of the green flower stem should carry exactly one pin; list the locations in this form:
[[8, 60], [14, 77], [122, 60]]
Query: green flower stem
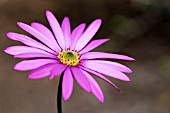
[[59, 94]]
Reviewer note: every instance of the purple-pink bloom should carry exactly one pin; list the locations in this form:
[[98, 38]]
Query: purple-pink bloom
[[66, 51]]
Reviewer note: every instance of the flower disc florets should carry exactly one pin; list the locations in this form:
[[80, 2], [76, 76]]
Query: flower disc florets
[[70, 58]]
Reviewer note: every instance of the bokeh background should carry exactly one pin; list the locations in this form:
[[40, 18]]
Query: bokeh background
[[138, 28]]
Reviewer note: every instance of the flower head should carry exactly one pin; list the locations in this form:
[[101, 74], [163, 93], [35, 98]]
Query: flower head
[[63, 51]]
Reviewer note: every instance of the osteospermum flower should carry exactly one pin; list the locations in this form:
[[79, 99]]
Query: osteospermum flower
[[66, 52]]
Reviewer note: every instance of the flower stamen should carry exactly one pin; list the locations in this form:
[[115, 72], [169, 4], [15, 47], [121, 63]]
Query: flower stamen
[[70, 58]]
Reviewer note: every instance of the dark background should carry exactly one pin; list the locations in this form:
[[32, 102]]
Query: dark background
[[138, 28]]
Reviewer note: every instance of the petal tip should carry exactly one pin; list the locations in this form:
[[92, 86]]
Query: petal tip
[[102, 100], [7, 50], [48, 12], [99, 20], [30, 77], [119, 90], [83, 25], [51, 77], [88, 91], [130, 71], [128, 80], [107, 39], [125, 78], [19, 23], [66, 17], [9, 34], [65, 98], [132, 59], [19, 67], [16, 67]]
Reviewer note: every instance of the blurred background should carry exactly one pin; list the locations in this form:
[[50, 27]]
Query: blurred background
[[138, 28]]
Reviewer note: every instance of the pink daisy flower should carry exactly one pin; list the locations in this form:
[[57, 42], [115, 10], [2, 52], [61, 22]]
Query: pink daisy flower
[[63, 51]]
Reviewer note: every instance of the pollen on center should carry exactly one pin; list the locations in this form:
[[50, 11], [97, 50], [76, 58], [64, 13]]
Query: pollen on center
[[70, 58]]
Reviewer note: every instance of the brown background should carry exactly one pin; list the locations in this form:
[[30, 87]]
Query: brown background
[[139, 28]]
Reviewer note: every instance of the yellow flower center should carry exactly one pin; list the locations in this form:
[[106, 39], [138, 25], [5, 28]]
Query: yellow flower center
[[70, 58]]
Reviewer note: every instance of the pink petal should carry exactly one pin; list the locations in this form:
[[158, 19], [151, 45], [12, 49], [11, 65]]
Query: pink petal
[[81, 79], [33, 64], [77, 32], [56, 29], [57, 70], [28, 41], [42, 71], [46, 32], [65, 26], [15, 50], [100, 76], [92, 45], [67, 84], [96, 90], [35, 55], [88, 34], [113, 65], [37, 34], [105, 69], [94, 55]]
